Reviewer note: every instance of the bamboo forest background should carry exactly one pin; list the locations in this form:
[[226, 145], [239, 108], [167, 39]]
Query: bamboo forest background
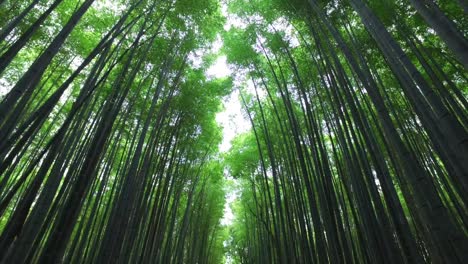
[[357, 151]]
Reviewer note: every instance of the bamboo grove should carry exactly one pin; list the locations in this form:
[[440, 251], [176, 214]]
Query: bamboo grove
[[357, 152], [358, 149], [108, 134]]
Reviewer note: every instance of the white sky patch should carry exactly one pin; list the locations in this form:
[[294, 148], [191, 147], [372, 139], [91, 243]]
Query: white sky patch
[[231, 19], [76, 63], [109, 5], [219, 69], [234, 21], [195, 58], [232, 120], [5, 86], [217, 45]]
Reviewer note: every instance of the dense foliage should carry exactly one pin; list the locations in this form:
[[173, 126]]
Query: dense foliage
[[108, 133], [358, 151]]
